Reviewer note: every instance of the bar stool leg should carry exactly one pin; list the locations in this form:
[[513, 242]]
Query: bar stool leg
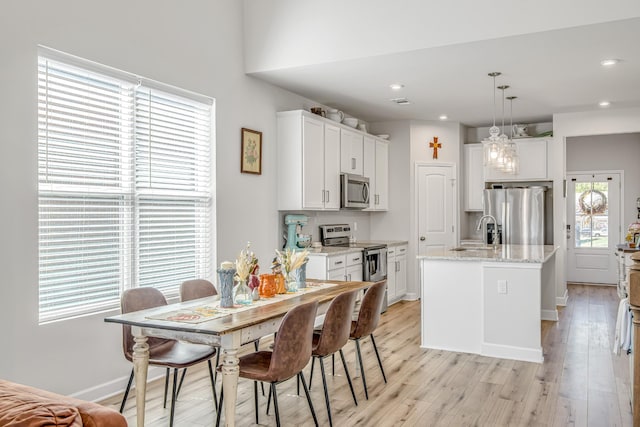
[[213, 384], [344, 364], [364, 380], [326, 392], [174, 395], [313, 363], [306, 392], [379, 360], [255, 399], [166, 387], [275, 403], [126, 393]]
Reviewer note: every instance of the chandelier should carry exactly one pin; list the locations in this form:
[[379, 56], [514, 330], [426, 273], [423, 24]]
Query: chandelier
[[500, 152]]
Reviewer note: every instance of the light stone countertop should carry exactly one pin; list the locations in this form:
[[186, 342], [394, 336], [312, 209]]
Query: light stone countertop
[[332, 250], [505, 253], [385, 242]]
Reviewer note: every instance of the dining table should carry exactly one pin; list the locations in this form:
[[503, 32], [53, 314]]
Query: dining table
[[226, 329]]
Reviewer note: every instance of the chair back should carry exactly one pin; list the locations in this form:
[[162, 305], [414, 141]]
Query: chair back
[[369, 315], [197, 288], [139, 299], [292, 345], [337, 324]]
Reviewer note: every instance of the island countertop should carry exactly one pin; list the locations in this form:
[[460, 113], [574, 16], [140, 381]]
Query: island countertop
[[505, 253]]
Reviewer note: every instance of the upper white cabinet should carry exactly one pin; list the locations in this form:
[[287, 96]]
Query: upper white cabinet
[[474, 177], [532, 153], [351, 152], [376, 168], [308, 162]]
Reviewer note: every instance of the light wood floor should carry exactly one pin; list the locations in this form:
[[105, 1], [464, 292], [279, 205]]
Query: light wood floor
[[580, 383]]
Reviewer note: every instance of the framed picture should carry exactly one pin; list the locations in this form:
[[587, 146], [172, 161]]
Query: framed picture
[[251, 153]]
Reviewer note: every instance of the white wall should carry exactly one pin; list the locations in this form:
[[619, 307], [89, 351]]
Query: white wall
[[601, 122], [197, 47], [610, 152]]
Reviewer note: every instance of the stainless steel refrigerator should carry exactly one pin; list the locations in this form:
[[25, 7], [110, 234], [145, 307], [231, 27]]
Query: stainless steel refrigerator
[[520, 213]]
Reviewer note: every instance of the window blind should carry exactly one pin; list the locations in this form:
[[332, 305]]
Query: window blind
[[124, 189]]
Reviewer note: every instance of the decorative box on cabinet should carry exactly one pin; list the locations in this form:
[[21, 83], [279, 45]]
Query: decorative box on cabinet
[[376, 168], [474, 177], [532, 153], [308, 162]]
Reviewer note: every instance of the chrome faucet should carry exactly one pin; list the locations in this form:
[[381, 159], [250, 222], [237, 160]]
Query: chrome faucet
[[494, 232]]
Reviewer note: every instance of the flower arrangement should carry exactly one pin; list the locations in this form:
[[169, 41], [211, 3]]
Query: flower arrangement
[[290, 259], [246, 264]]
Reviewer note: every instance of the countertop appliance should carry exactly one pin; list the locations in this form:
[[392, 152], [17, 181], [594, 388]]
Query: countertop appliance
[[294, 237], [354, 191], [520, 214], [374, 267]]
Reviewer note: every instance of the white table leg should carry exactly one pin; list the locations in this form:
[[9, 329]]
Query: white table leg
[[230, 375], [140, 366]]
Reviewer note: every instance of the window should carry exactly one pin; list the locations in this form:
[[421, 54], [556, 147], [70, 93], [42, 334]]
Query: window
[[125, 193]]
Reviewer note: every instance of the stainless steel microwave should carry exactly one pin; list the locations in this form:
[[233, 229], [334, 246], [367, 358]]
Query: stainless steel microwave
[[354, 191]]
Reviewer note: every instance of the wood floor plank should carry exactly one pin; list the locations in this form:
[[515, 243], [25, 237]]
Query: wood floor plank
[[580, 383]]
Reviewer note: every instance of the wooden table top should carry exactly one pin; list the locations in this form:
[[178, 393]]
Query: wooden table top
[[236, 321]]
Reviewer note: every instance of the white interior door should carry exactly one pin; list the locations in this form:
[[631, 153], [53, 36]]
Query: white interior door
[[593, 217], [436, 187]]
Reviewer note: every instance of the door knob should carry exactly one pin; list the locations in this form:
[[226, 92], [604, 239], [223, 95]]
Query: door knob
[[422, 238]]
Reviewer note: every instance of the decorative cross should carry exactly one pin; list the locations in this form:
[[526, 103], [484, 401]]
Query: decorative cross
[[435, 145]]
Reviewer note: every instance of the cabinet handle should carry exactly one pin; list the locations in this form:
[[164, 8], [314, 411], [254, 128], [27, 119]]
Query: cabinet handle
[[322, 196], [338, 262], [327, 196], [353, 163]]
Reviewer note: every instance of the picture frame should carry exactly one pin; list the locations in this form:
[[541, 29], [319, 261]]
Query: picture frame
[[251, 152]]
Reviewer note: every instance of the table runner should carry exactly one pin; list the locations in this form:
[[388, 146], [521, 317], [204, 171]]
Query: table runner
[[212, 310]]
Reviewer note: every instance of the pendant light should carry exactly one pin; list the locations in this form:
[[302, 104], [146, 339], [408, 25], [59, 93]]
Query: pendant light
[[511, 150], [491, 146], [503, 139]]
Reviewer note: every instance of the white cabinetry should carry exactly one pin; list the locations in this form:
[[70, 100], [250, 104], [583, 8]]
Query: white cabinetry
[[396, 272], [532, 153], [308, 162], [376, 168], [336, 267], [474, 177], [351, 152]]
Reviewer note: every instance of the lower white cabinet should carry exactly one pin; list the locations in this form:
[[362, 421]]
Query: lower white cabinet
[[396, 272], [335, 267]]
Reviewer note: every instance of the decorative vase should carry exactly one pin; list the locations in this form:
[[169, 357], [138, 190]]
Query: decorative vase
[[301, 274], [255, 294], [267, 285], [280, 286], [225, 277], [242, 294], [291, 281]]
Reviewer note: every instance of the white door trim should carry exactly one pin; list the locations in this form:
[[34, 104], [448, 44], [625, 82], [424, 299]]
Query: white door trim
[[415, 239]]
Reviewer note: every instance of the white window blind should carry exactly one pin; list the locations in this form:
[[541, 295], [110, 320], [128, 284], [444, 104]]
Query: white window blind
[[125, 194]]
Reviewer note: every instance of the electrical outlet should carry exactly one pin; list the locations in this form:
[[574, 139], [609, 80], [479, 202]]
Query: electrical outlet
[[502, 286]]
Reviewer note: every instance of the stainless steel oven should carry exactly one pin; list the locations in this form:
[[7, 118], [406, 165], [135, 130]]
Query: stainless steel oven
[[374, 266]]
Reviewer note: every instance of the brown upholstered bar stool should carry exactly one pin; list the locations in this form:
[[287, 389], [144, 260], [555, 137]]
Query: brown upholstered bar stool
[[162, 352], [367, 322], [333, 336], [291, 353]]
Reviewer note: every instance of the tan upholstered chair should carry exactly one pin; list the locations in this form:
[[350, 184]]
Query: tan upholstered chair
[[333, 336], [162, 352], [291, 353], [367, 322]]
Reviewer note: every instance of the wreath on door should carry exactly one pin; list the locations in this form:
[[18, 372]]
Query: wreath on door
[[593, 202]]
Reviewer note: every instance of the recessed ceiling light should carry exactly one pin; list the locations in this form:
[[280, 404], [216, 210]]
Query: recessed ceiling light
[[604, 104], [396, 86], [443, 117], [400, 101], [609, 62]]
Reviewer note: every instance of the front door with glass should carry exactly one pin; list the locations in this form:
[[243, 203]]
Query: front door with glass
[[593, 218]]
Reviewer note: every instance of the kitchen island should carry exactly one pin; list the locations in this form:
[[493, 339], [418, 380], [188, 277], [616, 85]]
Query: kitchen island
[[488, 301]]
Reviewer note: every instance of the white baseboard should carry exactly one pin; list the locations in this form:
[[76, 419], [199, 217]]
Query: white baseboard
[[116, 386], [410, 297], [549, 315], [562, 301], [511, 352]]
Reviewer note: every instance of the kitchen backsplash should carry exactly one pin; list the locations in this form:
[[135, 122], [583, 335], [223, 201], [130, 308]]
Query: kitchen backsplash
[[361, 220]]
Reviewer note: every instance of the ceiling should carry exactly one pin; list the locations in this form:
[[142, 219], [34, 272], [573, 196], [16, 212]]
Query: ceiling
[[550, 72]]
